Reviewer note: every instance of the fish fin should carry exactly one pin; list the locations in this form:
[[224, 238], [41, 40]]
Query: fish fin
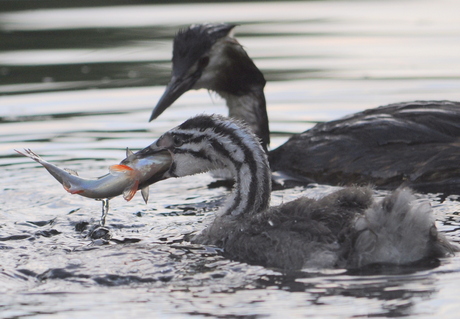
[[71, 171], [68, 188], [145, 194], [129, 152], [119, 168], [131, 190]]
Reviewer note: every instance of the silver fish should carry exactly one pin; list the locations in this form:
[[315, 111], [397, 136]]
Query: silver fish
[[134, 172]]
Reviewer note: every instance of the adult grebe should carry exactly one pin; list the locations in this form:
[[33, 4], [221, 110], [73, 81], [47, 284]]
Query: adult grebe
[[416, 143], [345, 229]]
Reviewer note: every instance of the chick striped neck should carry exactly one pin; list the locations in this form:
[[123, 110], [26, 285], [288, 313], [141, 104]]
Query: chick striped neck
[[214, 142]]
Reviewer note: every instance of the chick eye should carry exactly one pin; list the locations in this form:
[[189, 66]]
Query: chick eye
[[203, 62], [177, 141]]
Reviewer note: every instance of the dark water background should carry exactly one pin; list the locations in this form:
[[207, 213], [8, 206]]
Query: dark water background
[[77, 86]]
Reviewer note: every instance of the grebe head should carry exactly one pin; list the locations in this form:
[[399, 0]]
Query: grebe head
[[208, 56], [205, 143], [192, 53]]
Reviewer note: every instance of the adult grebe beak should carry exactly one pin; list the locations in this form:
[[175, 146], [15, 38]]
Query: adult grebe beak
[[175, 88]]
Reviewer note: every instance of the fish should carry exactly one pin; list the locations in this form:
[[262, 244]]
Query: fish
[[133, 173]]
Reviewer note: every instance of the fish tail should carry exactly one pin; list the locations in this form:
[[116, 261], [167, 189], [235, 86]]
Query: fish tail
[[59, 174], [29, 153]]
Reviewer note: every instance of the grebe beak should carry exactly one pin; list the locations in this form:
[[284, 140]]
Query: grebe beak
[[175, 88]]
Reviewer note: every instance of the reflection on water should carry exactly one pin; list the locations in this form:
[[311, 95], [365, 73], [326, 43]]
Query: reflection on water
[[130, 45], [78, 86]]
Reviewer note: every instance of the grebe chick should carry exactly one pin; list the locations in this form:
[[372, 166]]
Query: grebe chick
[[416, 144], [348, 228]]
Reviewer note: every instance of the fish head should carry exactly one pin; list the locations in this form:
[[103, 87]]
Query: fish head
[[149, 165]]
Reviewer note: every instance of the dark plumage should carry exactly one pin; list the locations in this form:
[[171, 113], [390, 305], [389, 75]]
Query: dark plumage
[[346, 229], [414, 144]]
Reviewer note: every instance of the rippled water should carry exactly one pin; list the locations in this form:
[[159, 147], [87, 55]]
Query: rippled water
[[78, 86]]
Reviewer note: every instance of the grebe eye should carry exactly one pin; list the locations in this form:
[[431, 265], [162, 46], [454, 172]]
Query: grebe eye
[[177, 141], [203, 62]]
